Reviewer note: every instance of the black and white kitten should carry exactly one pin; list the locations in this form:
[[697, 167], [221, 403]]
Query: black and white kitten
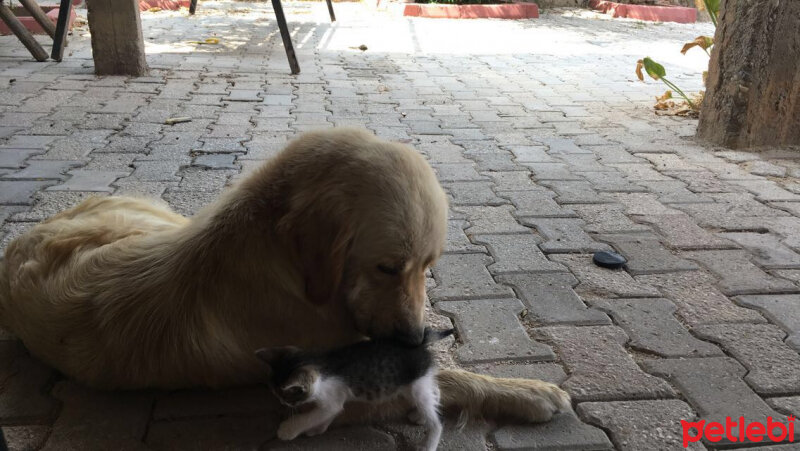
[[371, 371]]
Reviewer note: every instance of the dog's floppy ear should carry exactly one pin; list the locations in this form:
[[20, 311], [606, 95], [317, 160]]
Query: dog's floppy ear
[[321, 237]]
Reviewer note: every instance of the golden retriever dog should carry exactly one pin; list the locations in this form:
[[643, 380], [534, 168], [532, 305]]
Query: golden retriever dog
[[325, 244]]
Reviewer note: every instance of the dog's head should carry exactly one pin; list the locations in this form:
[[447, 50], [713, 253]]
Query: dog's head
[[367, 220]]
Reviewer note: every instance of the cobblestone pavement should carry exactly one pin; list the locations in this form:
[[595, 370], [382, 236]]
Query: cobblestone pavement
[[550, 151]]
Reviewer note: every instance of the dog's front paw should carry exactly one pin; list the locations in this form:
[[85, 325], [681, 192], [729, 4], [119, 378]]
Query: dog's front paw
[[287, 432]]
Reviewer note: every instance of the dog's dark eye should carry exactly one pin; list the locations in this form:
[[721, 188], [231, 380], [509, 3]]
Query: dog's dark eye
[[388, 270]]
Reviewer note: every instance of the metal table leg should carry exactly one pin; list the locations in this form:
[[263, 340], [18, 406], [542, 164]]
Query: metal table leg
[[287, 38], [192, 7], [330, 10], [62, 25]]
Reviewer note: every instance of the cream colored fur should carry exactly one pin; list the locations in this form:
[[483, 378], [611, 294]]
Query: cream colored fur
[[123, 293]]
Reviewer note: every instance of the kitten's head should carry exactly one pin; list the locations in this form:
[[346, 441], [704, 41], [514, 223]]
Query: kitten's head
[[291, 377]]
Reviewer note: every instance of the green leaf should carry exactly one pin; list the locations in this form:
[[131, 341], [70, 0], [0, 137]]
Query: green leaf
[[713, 6], [653, 69]]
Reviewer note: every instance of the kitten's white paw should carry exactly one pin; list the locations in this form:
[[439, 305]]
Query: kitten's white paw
[[286, 431], [317, 430], [415, 417]]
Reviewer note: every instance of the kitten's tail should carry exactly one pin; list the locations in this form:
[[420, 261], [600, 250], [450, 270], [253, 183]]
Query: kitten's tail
[[432, 336]]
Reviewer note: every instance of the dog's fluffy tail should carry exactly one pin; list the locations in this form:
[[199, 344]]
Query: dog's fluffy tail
[[5, 293], [432, 336], [476, 396]]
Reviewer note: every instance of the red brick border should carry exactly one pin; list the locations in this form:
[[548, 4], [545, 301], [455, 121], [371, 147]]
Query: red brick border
[[504, 11], [172, 5], [33, 26], [679, 14]]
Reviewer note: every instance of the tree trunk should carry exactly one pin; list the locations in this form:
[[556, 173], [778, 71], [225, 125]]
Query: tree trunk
[[117, 44], [753, 86]]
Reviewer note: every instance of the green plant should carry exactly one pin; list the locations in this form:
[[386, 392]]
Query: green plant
[[657, 72]]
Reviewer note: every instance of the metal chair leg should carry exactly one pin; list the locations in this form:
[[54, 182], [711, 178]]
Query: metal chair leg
[[40, 17], [62, 25], [287, 38], [22, 33], [330, 10], [192, 7]]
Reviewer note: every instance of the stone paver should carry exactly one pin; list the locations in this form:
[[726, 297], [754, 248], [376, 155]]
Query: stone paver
[[651, 326], [95, 420], [564, 235], [715, 389], [550, 299], [516, 253], [638, 425], [781, 309], [544, 163], [773, 368], [460, 276], [738, 275], [599, 367], [646, 255], [491, 331]]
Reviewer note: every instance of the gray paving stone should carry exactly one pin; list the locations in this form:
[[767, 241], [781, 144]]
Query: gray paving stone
[[714, 388], [789, 405], [23, 398], [496, 162], [490, 331], [342, 439], [599, 368], [20, 192], [536, 204], [49, 203], [240, 401], [484, 220], [516, 253], [773, 368], [216, 161], [767, 190], [463, 276], [682, 232], [531, 154], [564, 235], [606, 218], [564, 431], [643, 204], [457, 172], [576, 192], [738, 275], [15, 158], [698, 300], [43, 170], [767, 250], [25, 438], [83, 180], [514, 181], [728, 207], [597, 282], [781, 309], [550, 299], [473, 193], [457, 240], [227, 432], [651, 326], [674, 192], [92, 419], [640, 425], [551, 171], [765, 168], [645, 254]]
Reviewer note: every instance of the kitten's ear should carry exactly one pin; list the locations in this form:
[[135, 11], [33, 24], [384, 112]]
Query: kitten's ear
[[270, 355]]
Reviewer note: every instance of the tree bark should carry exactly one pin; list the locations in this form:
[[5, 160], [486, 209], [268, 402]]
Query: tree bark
[[753, 86], [117, 44]]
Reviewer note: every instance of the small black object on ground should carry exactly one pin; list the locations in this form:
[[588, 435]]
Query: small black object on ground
[[610, 260]]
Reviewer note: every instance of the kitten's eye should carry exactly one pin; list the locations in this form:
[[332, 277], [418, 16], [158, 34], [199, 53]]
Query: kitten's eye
[[294, 391], [388, 270]]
